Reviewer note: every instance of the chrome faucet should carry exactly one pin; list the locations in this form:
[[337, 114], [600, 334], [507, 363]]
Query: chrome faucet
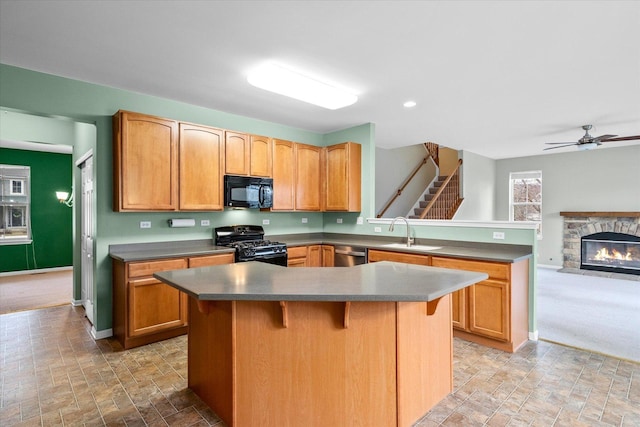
[[409, 238]]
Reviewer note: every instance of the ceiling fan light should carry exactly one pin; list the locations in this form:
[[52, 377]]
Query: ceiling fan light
[[274, 78], [587, 146]]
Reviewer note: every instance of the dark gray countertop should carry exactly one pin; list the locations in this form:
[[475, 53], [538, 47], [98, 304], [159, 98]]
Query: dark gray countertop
[[160, 250], [380, 281], [465, 250]]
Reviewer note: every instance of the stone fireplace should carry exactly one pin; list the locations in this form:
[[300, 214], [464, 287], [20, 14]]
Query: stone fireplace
[[603, 243]]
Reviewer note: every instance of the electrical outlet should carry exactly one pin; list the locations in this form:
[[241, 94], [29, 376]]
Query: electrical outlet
[[377, 229], [305, 220], [339, 220], [145, 224], [265, 222], [204, 223], [360, 220], [498, 235]]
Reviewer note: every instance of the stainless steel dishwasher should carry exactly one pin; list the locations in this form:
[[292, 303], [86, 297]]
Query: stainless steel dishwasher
[[348, 256]]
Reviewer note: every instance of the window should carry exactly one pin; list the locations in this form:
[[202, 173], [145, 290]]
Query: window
[[525, 197], [15, 204]]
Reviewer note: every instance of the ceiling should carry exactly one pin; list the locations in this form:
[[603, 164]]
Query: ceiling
[[495, 78]]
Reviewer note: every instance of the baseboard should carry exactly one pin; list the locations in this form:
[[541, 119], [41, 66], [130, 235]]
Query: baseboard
[[533, 336], [37, 271], [76, 302], [551, 267], [98, 335]]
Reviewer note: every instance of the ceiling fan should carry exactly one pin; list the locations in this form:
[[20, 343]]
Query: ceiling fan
[[588, 142]]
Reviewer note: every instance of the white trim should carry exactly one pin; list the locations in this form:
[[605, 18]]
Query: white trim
[[550, 267], [39, 270], [448, 223], [84, 157], [76, 302], [98, 335], [533, 336]]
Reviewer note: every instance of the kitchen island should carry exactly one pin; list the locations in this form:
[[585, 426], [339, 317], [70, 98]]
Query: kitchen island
[[276, 346]]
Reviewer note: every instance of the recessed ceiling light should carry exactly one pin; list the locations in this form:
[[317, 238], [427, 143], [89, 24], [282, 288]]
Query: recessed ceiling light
[[275, 78], [409, 104]]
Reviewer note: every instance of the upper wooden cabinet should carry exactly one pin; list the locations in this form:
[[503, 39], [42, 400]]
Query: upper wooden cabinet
[[284, 173], [248, 155], [200, 168], [261, 156], [145, 159], [308, 177], [343, 177], [237, 155]]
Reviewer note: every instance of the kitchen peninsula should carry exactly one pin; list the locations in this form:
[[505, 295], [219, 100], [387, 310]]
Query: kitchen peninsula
[[277, 346]]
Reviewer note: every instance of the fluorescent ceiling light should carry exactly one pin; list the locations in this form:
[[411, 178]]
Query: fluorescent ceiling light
[[274, 78], [409, 104]]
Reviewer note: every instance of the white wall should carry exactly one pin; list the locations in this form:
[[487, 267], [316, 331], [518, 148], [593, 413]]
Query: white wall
[[604, 179], [478, 188], [392, 168]]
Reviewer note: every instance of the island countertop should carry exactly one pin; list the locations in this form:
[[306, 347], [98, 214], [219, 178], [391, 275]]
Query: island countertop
[[381, 281]]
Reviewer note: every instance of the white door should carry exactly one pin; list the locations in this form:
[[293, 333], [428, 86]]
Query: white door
[[87, 217]]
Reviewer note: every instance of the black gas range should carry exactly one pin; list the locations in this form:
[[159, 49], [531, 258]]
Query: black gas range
[[250, 245]]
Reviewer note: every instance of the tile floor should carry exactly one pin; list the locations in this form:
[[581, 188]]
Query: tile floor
[[54, 373]]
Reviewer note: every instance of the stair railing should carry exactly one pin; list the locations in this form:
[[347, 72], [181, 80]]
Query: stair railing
[[447, 199], [404, 184]]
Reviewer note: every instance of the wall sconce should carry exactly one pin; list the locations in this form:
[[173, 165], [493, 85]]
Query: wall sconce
[[64, 197]]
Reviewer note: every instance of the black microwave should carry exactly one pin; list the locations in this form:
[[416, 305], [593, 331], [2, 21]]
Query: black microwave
[[248, 192]]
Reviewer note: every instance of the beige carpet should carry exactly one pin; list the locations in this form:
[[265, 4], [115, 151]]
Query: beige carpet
[[33, 291], [592, 313]]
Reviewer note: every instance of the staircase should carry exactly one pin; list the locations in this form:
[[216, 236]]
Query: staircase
[[442, 198]]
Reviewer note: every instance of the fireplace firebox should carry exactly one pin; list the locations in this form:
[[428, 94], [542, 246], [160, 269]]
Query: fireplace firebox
[[611, 252]]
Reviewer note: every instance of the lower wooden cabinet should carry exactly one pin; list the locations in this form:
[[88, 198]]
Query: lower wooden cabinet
[[493, 312], [146, 310], [328, 254]]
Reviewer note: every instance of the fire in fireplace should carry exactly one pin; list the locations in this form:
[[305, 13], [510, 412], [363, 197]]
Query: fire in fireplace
[[611, 252]]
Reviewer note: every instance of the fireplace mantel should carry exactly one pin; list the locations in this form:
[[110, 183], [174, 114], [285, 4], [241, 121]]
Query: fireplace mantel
[[602, 214]]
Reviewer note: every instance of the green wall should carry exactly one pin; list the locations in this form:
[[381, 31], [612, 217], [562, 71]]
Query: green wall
[[51, 221]]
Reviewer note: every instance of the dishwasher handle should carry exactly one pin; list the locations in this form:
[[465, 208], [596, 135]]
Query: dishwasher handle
[[342, 252]]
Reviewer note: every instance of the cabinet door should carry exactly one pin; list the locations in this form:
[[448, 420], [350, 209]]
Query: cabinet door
[[459, 309], [308, 177], [284, 168], [261, 155], [208, 260], [154, 306], [328, 253], [314, 256], [200, 168], [236, 153], [489, 309], [343, 177], [145, 163]]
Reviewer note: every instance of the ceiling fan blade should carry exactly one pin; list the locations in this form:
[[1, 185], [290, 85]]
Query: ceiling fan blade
[[602, 137], [622, 138], [559, 146], [556, 143]]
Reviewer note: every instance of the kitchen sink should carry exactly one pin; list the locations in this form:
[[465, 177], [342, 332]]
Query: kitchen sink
[[412, 247]]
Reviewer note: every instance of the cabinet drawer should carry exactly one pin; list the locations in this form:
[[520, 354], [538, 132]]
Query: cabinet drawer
[[205, 261], [147, 268], [494, 270], [375, 255], [297, 252]]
